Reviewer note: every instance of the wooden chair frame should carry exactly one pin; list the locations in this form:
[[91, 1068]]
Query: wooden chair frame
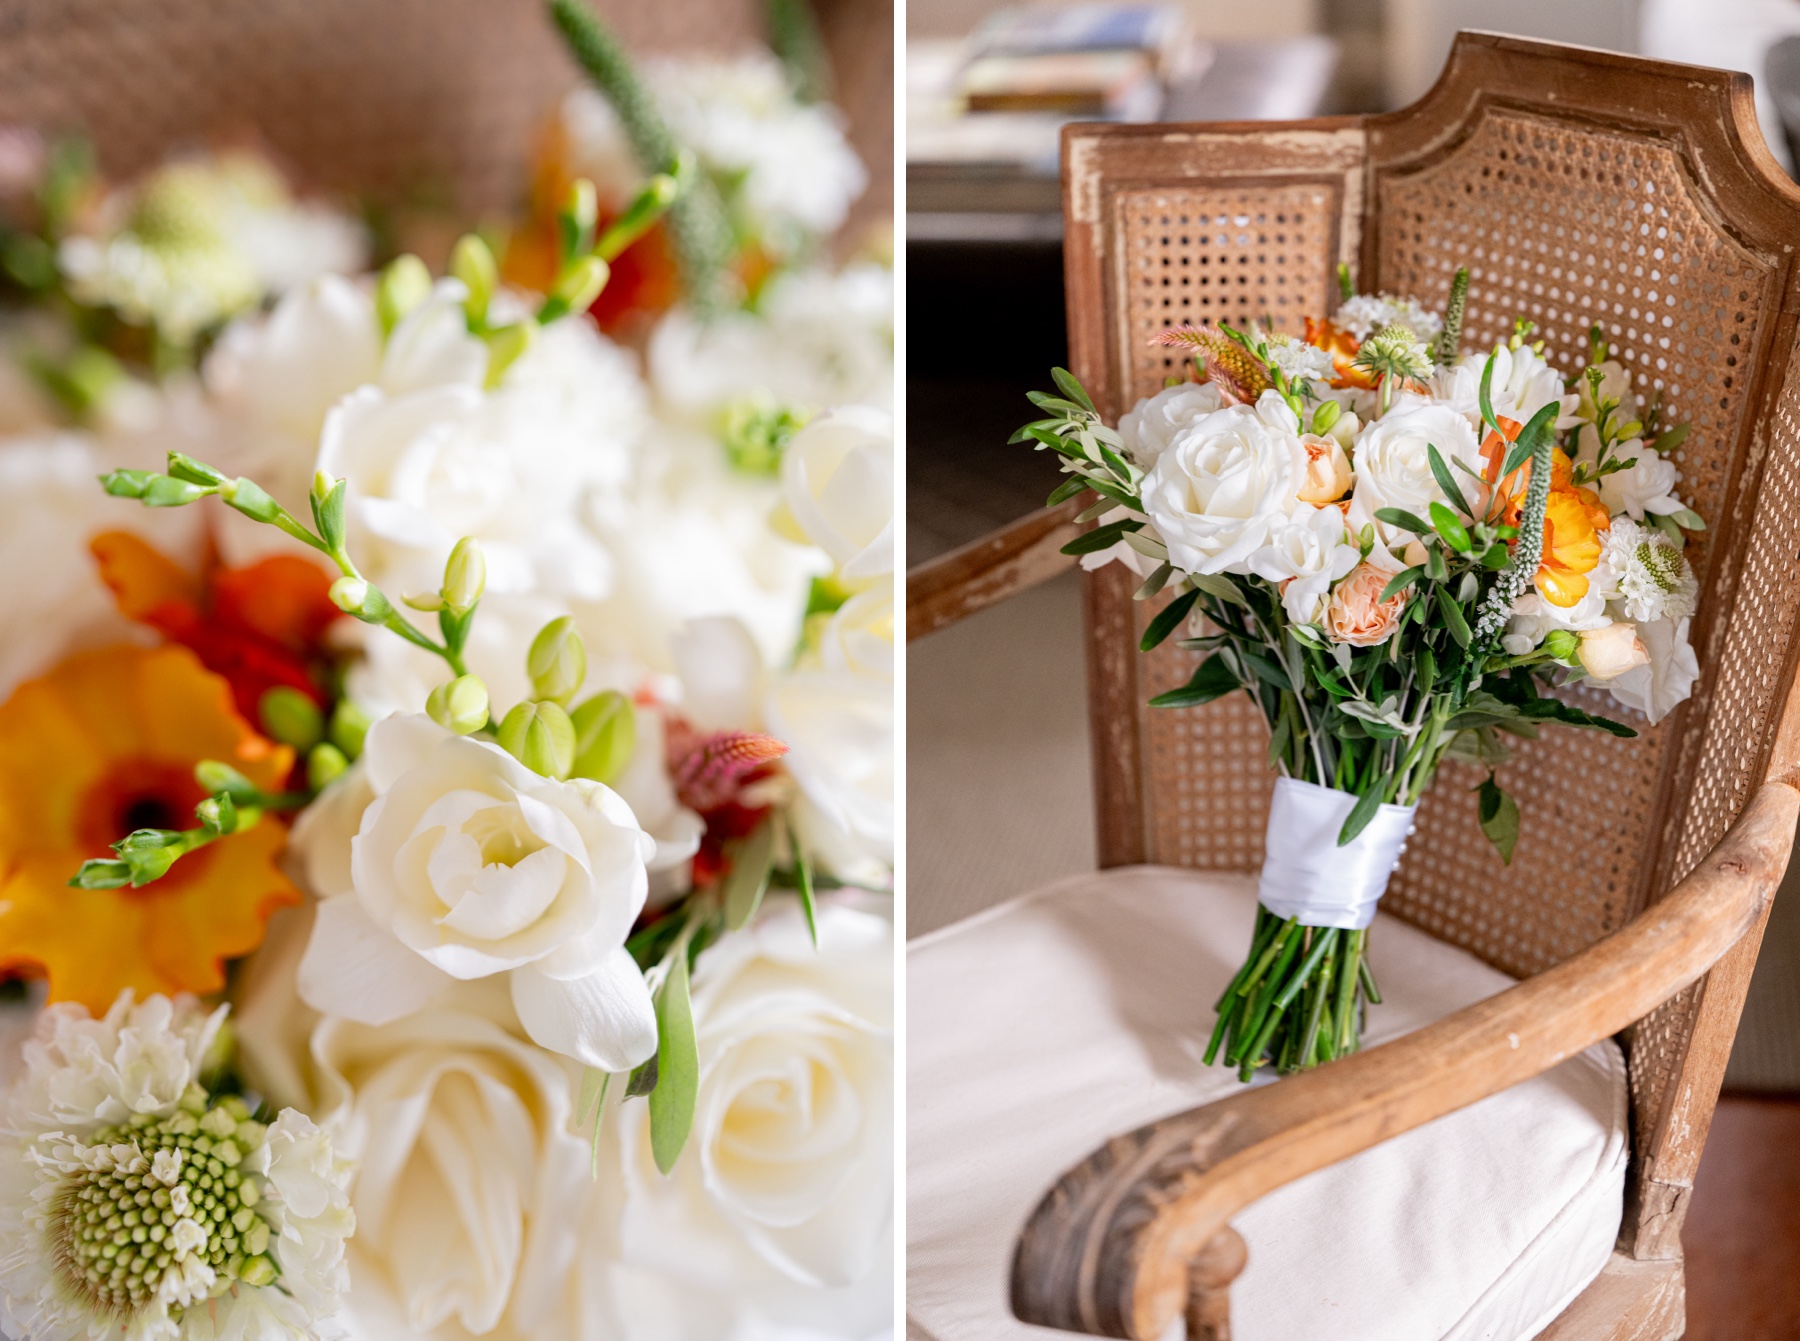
[[1139, 1233]]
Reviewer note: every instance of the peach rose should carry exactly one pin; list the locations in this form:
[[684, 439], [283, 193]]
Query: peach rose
[[1609, 652], [1328, 476], [1357, 615]]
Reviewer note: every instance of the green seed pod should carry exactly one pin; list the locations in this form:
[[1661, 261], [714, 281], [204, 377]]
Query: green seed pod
[[291, 717], [403, 286], [557, 662], [540, 736], [459, 705], [605, 736], [465, 576]]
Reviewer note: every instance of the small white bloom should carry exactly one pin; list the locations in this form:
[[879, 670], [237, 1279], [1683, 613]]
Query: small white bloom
[[1647, 487], [1523, 383], [1393, 465], [1533, 617], [1299, 360], [166, 1167], [1366, 313], [838, 480], [1225, 482], [1151, 425], [1305, 556], [187, 1236], [1648, 572], [1657, 688], [467, 864]]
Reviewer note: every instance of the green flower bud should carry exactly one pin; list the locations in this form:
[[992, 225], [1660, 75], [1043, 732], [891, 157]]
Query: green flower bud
[[540, 736], [656, 196], [403, 286], [465, 576], [218, 813], [349, 725], [291, 717], [1563, 645], [506, 346], [165, 491], [194, 472], [605, 736], [354, 596], [1328, 413], [580, 283], [127, 483], [248, 498], [218, 777], [557, 662], [472, 261], [575, 223], [328, 509], [459, 705], [325, 764]]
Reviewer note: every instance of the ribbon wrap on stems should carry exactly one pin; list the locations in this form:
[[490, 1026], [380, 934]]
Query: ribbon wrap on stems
[[1307, 876]]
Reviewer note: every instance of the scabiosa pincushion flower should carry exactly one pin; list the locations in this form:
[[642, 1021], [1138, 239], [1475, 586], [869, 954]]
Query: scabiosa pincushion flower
[[1654, 579], [137, 1206]]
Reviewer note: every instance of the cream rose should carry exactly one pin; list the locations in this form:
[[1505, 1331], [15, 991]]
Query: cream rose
[[789, 1169], [837, 476], [1328, 476], [466, 864], [1611, 650], [1225, 482], [1304, 557], [1393, 464], [1151, 425], [1657, 687]]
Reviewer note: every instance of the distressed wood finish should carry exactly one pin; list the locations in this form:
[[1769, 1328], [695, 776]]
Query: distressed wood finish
[[988, 570], [1628, 1301], [1110, 1249]]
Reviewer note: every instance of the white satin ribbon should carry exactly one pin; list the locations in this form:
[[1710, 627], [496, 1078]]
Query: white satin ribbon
[[1306, 875]]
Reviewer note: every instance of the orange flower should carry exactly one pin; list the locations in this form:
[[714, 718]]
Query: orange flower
[[1342, 346], [1573, 521], [104, 744]]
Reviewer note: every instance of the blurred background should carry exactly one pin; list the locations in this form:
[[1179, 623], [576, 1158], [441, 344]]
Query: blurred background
[[998, 792]]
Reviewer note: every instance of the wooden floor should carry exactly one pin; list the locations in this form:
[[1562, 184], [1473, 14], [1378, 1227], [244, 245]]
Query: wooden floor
[[1742, 1236]]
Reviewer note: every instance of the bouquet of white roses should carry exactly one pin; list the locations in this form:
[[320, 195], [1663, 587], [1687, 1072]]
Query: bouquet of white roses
[[1395, 550]]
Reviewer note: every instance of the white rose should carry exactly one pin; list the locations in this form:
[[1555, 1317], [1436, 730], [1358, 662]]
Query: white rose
[[1151, 425], [788, 1172], [1657, 688], [838, 480], [1307, 554], [51, 506], [1393, 465], [467, 864], [1225, 482], [1647, 487]]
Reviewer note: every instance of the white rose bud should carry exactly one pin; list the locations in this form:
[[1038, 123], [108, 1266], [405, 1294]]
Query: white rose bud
[[1609, 652]]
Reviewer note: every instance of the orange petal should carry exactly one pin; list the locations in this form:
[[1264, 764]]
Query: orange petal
[[144, 581]]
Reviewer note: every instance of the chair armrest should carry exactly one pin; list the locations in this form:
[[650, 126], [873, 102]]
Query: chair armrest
[[1110, 1248], [986, 571]]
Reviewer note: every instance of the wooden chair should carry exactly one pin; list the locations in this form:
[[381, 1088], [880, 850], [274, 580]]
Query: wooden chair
[[1578, 185]]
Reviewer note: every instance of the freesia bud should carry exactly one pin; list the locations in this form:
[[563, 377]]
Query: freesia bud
[[605, 736], [472, 261], [1326, 415], [465, 576], [349, 725], [291, 717], [578, 285], [325, 765], [580, 210], [1608, 653], [1563, 644], [403, 286], [506, 347], [557, 662], [540, 736], [249, 498], [349, 593], [459, 705]]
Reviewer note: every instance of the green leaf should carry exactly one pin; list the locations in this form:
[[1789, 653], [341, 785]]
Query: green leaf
[[1447, 481], [1405, 520], [1669, 441], [1445, 522], [1453, 616], [752, 859], [1496, 558], [1155, 582], [1167, 620], [1266, 668], [1364, 811], [643, 1081], [1214, 678], [1066, 490], [1435, 567], [1499, 816], [1485, 396], [101, 875], [1401, 581], [1555, 710], [1101, 537], [677, 1068], [1072, 388], [1219, 586], [1535, 433], [803, 881]]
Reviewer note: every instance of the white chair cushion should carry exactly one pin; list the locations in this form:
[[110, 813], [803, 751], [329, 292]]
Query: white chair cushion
[[1040, 1028]]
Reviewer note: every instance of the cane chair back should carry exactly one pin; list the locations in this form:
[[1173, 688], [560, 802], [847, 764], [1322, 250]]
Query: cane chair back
[[1578, 186], [440, 99]]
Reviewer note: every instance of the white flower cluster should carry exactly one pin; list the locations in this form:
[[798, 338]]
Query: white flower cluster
[[1366, 313]]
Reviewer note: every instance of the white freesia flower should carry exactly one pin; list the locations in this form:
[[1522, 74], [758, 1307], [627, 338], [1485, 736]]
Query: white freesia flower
[[1523, 384], [1647, 573], [1304, 556], [51, 506], [466, 864], [1300, 361], [1657, 688], [859, 638], [838, 481], [107, 1109], [788, 1173], [1225, 483], [1151, 425], [1393, 465], [1646, 487]]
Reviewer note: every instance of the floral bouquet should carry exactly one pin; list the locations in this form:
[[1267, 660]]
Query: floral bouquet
[[446, 754], [1399, 552]]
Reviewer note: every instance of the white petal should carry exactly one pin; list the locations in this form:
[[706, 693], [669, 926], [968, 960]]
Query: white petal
[[603, 1020], [398, 743], [355, 969]]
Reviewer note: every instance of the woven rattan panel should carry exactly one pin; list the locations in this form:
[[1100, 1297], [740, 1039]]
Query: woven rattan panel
[[1216, 254], [435, 96]]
